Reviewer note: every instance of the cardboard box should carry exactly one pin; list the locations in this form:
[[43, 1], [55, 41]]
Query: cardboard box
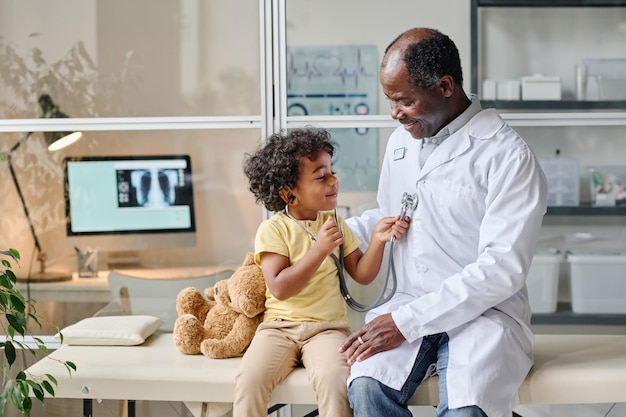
[[541, 87], [543, 282], [598, 283]]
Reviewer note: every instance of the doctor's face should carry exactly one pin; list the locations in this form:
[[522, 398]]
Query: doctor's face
[[422, 111]]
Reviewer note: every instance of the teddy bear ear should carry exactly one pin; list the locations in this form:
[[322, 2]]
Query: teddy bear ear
[[249, 260], [209, 293]]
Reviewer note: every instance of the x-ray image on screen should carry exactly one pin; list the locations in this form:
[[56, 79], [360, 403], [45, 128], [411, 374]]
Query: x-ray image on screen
[[150, 187]]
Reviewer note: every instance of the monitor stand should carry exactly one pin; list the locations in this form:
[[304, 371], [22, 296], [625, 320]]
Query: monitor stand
[[128, 259]]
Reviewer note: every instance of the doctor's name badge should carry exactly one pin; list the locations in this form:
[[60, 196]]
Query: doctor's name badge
[[398, 153]]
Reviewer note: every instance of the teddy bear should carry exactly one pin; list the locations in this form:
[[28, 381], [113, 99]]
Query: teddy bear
[[221, 323]]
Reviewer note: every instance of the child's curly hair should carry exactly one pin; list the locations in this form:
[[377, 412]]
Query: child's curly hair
[[276, 163]]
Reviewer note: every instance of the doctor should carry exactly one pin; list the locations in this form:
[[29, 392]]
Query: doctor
[[461, 307]]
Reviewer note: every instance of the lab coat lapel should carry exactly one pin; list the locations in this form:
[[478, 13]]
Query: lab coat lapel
[[483, 125], [453, 146]]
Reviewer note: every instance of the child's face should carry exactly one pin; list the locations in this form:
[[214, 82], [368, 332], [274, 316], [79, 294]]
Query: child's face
[[317, 188]]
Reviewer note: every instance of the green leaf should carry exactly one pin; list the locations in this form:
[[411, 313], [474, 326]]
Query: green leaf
[[34, 317], [38, 391], [53, 379], [13, 253], [48, 387], [18, 303], [27, 405], [16, 398], [4, 281], [71, 365], [11, 275], [16, 323], [9, 352], [24, 390]]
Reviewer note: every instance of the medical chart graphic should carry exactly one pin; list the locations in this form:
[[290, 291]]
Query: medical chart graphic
[[339, 80]]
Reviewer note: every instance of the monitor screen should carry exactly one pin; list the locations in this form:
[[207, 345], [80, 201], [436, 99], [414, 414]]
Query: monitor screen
[[129, 202]]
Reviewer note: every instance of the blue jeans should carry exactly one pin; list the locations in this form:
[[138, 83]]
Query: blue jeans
[[368, 397]]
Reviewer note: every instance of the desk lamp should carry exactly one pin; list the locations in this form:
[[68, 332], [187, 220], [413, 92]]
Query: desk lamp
[[55, 141]]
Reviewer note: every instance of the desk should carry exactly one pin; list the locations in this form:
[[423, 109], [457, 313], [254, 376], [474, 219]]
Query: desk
[[569, 369], [96, 290], [88, 290]]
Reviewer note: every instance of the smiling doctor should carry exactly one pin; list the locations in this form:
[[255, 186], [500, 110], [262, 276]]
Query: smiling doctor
[[461, 305]]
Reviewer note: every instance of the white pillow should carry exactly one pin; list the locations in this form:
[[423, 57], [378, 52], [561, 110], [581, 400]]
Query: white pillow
[[110, 330]]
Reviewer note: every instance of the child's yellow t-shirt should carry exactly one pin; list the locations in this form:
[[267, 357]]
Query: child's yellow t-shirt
[[320, 299]]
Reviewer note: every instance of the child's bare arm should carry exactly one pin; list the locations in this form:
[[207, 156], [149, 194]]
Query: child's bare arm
[[363, 267]]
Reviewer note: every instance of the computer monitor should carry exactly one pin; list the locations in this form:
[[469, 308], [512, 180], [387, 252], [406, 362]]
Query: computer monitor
[[121, 203]]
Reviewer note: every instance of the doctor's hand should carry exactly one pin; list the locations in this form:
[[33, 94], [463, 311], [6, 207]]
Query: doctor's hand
[[376, 336]]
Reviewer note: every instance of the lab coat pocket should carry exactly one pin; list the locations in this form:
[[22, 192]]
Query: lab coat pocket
[[458, 207]]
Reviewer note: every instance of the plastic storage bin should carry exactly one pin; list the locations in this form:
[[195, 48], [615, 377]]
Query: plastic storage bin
[[608, 186], [543, 282], [563, 180], [598, 283], [604, 79]]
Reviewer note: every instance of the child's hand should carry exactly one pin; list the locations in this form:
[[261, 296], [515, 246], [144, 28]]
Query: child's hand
[[389, 226], [329, 237]]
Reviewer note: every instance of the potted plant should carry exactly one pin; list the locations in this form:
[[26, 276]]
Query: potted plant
[[18, 383]]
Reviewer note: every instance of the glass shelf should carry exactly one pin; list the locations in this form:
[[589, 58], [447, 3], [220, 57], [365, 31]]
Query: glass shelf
[[550, 3], [554, 105], [586, 210]]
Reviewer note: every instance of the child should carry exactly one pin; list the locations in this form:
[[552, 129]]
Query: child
[[305, 320]]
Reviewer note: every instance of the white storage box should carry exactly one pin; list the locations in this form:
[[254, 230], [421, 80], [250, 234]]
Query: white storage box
[[598, 283], [543, 283], [541, 87], [507, 89]]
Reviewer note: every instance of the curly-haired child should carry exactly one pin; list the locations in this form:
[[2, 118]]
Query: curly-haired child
[[305, 319]]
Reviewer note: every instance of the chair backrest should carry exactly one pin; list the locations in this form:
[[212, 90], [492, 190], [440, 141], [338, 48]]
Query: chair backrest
[[156, 295]]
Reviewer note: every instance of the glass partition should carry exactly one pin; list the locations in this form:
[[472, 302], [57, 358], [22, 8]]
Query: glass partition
[[119, 59]]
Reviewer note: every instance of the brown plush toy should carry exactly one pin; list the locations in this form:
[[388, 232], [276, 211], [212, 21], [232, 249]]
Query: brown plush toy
[[222, 324]]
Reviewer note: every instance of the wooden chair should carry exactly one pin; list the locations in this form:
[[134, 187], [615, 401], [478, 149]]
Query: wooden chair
[[154, 295]]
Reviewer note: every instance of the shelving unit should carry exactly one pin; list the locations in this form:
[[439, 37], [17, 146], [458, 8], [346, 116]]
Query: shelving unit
[[568, 112], [562, 105]]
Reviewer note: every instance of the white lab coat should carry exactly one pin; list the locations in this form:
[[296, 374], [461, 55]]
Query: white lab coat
[[462, 265]]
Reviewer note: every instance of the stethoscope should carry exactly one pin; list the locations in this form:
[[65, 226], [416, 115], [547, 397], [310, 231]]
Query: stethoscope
[[409, 203]]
